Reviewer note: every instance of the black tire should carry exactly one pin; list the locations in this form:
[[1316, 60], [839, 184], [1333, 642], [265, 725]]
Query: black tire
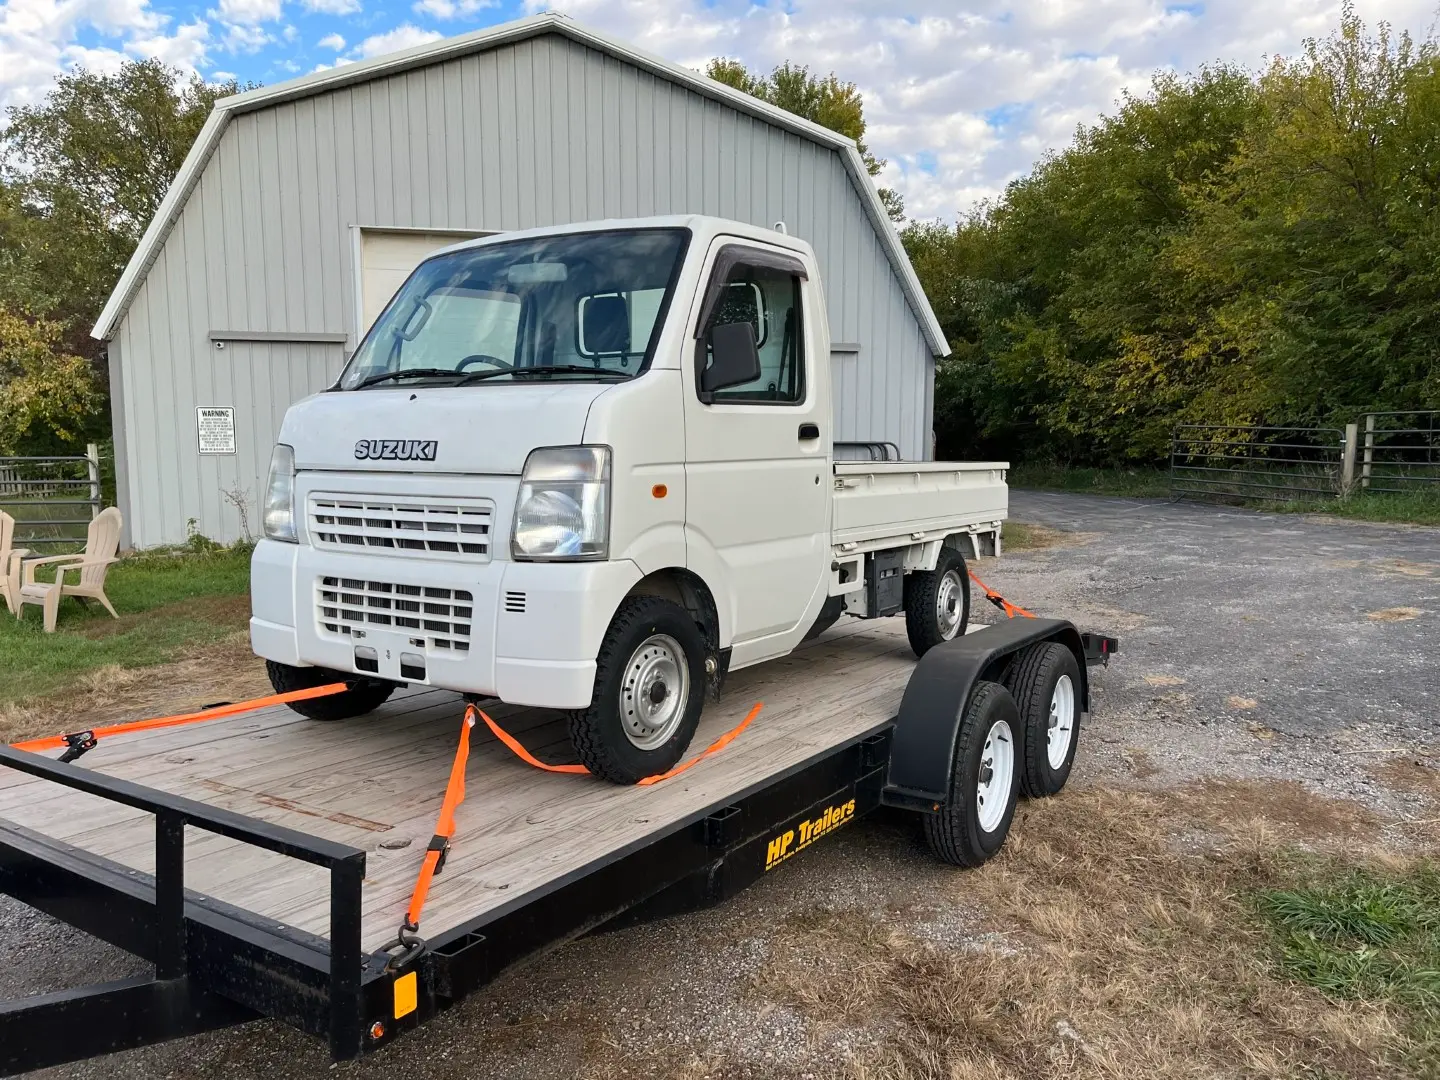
[[954, 832], [922, 594], [363, 696], [599, 732], [1031, 680]]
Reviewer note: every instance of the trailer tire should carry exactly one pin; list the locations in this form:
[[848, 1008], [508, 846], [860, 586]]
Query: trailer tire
[[638, 724], [1045, 682], [937, 602], [967, 829], [361, 698]]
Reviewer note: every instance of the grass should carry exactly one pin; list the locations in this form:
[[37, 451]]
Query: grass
[[1118, 934], [1414, 508], [1135, 483], [169, 603], [1367, 936]]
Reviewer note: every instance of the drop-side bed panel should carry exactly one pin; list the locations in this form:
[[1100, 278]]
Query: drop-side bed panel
[[877, 501]]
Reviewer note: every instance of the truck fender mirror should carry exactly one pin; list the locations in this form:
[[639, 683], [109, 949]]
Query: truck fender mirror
[[734, 358]]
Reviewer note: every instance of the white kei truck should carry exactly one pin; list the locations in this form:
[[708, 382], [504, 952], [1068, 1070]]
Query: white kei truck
[[591, 468]]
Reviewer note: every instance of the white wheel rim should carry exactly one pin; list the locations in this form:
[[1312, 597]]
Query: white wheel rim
[[949, 604], [997, 774], [654, 691], [1062, 722]]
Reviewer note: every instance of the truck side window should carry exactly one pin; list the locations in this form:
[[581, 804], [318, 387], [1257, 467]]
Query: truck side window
[[768, 299]]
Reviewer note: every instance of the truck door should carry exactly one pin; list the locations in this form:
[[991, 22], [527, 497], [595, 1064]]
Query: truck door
[[757, 456]]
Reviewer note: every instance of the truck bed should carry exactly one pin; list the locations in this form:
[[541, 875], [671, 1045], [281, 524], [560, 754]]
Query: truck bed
[[881, 504], [376, 783]]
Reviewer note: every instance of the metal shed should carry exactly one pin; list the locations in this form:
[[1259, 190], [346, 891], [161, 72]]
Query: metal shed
[[302, 206]]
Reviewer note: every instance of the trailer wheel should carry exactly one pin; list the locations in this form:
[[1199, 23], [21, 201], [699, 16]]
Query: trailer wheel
[[937, 602], [361, 698], [649, 690], [975, 820], [1045, 682]]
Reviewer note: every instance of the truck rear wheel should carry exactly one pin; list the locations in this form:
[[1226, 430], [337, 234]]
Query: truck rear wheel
[[362, 697], [1045, 682], [649, 690], [973, 823], [937, 602]]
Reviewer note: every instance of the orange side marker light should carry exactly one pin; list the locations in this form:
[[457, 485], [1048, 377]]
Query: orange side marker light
[[659, 491]]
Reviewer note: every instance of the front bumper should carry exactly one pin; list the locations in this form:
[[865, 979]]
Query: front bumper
[[533, 633]]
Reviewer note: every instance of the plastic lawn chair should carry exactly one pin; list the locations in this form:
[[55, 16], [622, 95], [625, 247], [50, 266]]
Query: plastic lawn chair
[[10, 563], [101, 542]]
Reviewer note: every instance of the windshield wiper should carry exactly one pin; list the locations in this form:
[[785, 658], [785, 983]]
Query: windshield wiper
[[563, 369], [408, 373]]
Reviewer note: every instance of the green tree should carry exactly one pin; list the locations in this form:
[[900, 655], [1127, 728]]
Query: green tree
[[824, 100], [47, 396]]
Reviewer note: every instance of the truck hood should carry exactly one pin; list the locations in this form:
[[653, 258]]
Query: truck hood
[[440, 429]]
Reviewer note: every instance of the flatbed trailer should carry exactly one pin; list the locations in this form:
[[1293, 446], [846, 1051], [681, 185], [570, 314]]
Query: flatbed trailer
[[263, 862]]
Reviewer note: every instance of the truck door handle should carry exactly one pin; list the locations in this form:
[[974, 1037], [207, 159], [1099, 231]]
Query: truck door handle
[[809, 431]]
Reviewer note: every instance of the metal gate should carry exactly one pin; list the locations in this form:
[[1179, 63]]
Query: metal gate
[[52, 499], [1278, 464], [1400, 452]]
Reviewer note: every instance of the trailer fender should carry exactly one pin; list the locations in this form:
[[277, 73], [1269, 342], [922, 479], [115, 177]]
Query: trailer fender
[[923, 750]]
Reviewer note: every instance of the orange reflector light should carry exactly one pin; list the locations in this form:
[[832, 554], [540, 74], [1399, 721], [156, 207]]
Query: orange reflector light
[[659, 491], [377, 1030]]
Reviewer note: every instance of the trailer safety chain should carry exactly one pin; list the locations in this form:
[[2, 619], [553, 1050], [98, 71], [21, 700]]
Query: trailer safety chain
[[1011, 610], [76, 743], [719, 744]]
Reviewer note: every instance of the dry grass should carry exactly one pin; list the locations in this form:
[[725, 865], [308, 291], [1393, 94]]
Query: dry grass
[[224, 670], [1023, 536], [1127, 954]]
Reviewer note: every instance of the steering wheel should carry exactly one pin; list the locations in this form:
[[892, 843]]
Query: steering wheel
[[481, 358]]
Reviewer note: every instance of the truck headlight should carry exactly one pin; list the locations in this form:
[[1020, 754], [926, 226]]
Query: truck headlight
[[279, 513], [563, 509]]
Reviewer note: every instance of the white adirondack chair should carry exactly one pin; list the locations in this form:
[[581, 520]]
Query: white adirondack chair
[[10, 574], [101, 542]]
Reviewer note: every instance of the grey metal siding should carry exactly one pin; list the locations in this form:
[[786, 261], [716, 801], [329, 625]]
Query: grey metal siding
[[539, 132]]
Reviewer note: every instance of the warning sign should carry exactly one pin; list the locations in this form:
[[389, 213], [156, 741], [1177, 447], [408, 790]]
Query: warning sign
[[217, 429]]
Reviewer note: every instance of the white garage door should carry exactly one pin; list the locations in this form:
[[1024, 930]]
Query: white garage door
[[386, 259]]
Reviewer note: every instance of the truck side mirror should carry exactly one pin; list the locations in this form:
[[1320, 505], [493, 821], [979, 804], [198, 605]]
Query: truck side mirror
[[734, 359]]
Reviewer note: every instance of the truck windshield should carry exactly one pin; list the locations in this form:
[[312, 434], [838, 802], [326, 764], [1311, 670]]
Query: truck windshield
[[580, 306]]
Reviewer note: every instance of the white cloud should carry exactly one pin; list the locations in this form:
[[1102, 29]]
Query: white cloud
[[333, 42], [185, 49], [332, 7], [404, 36], [248, 12], [222, 76], [453, 9], [245, 39]]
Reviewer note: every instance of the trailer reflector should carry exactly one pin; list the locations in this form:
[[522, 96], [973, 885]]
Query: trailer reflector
[[407, 994]]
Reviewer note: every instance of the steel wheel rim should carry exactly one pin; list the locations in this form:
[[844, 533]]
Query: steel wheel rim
[[997, 774], [949, 604], [1061, 727], [654, 692]]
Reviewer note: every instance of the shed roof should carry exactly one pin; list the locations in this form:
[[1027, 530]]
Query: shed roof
[[481, 41]]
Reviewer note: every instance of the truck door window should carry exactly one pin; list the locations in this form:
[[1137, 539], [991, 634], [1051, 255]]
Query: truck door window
[[769, 299]]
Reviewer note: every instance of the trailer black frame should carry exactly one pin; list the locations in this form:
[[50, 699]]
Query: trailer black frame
[[217, 965]]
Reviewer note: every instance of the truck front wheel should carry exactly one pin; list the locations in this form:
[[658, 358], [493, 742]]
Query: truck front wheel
[[362, 697], [937, 602], [649, 690]]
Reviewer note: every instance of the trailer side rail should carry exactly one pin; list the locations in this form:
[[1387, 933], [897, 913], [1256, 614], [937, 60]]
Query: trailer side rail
[[214, 964]]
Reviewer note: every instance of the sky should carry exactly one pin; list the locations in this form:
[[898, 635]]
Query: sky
[[960, 96]]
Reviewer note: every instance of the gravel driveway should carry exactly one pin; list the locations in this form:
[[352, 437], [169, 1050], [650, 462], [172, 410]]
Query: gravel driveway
[[1253, 645]]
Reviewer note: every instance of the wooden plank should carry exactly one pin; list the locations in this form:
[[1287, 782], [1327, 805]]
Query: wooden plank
[[379, 779]]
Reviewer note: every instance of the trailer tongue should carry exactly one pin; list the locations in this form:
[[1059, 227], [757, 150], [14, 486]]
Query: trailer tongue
[[305, 839]]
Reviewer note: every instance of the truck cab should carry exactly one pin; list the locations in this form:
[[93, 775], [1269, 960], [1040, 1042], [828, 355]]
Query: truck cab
[[590, 468]]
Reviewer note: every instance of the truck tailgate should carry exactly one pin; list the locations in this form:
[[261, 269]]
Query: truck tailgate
[[877, 500]]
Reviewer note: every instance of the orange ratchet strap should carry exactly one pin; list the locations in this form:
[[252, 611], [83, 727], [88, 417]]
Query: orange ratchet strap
[[444, 829], [714, 748], [78, 742], [1011, 610]]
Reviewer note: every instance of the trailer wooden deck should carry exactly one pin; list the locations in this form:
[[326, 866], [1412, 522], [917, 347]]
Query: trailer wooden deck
[[376, 783]]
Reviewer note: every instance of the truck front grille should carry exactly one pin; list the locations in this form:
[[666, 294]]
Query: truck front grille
[[457, 529], [438, 618]]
